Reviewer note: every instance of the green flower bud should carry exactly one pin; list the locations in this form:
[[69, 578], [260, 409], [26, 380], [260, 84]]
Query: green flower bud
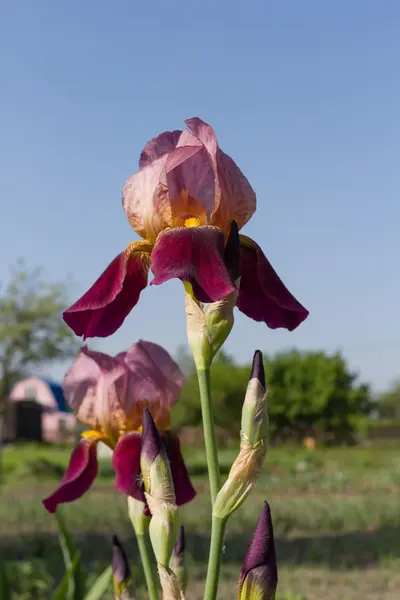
[[159, 491], [254, 412], [253, 445]]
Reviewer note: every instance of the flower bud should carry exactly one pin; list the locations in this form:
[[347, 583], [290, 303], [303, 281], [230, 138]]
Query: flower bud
[[121, 572], [259, 576], [139, 519], [254, 412], [159, 491], [177, 563], [208, 328], [253, 445]]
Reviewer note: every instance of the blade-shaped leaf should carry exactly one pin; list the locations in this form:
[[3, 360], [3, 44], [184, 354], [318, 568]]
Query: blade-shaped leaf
[[62, 591], [100, 585], [5, 587], [76, 588]]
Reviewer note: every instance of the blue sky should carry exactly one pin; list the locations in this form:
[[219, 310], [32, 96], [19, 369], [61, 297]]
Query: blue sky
[[304, 96]]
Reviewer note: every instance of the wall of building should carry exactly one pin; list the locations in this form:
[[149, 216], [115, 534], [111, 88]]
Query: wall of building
[[33, 388]]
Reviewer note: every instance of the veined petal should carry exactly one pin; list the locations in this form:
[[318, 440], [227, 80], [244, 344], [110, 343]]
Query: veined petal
[[234, 198], [79, 476], [96, 388], [193, 254], [104, 307], [237, 197], [145, 196], [184, 491], [158, 146], [154, 377], [126, 463], [194, 176], [262, 294]]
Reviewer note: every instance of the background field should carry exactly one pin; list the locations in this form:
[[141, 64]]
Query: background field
[[336, 516]]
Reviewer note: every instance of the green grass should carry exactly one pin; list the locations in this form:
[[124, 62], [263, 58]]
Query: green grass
[[336, 517]]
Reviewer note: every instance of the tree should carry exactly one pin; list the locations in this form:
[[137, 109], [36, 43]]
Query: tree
[[32, 331], [307, 391], [312, 391], [389, 402]]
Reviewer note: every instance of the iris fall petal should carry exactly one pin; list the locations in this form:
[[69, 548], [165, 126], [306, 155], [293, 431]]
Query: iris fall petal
[[79, 476], [262, 295], [193, 254], [126, 463], [184, 491], [104, 307]]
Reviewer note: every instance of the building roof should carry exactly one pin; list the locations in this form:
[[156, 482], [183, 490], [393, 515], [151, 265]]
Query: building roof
[[57, 391]]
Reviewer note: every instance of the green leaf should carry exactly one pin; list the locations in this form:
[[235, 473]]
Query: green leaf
[[5, 588], [100, 585], [62, 591], [75, 582]]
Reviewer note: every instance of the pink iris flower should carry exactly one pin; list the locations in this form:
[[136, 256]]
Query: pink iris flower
[[182, 202], [108, 394]]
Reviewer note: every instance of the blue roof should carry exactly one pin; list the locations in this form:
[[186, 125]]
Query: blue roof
[[58, 394]]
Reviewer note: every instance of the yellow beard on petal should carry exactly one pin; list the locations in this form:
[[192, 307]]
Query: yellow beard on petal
[[192, 222], [187, 211], [93, 434]]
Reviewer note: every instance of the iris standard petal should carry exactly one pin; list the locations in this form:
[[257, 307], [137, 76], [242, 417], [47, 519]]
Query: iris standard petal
[[262, 294], [237, 197], [158, 146], [145, 196], [234, 198], [104, 307], [95, 384], [193, 254], [79, 476], [154, 375]]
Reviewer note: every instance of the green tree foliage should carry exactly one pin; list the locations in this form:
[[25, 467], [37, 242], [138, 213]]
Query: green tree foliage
[[389, 402], [32, 331], [314, 392], [307, 392]]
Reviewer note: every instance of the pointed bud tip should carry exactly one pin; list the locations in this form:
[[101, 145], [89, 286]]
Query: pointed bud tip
[[151, 441], [180, 543], [257, 369], [232, 252], [120, 564], [262, 548], [259, 566]]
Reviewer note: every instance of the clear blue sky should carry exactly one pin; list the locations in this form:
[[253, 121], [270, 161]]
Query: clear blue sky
[[304, 96]]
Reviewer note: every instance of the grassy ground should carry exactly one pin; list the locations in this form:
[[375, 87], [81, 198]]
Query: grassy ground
[[336, 518]]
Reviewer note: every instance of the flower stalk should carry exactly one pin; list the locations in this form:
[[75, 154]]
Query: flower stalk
[[140, 523]]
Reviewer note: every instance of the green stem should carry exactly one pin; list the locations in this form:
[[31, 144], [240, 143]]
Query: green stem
[[148, 565], [209, 433], [214, 559]]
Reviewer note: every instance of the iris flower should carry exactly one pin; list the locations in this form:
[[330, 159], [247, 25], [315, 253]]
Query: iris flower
[[181, 203], [108, 394]]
